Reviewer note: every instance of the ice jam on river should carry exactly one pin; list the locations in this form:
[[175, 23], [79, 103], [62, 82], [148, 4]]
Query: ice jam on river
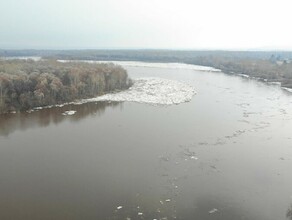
[[156, 91]]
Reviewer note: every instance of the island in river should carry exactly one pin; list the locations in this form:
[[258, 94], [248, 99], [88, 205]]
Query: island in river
[[25, 84]]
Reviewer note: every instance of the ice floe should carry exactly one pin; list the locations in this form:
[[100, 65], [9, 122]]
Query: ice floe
[[213, 211], [69, 112], [287, 89], [156, 91], [243, 75]]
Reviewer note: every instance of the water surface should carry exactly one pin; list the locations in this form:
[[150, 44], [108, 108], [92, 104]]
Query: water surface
[[225, 155]]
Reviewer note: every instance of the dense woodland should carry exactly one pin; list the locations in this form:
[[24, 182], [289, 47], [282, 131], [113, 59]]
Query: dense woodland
[[25, 84], [266, 65]]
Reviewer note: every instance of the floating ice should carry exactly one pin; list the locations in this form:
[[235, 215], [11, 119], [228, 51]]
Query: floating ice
[[30, 111], [213, 211], [287, 89], [69, 112], [38, 108], [243, 75], [154, 91]]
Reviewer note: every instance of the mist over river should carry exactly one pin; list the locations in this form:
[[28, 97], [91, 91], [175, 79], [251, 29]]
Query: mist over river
[[225, 155]]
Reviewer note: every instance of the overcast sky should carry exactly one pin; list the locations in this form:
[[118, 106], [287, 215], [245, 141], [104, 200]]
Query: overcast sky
[[172, 24]]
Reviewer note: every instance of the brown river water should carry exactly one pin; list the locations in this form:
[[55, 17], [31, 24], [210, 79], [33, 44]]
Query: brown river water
[[226, 155]]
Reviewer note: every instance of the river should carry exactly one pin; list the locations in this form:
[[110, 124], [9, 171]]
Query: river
[[225, 155]]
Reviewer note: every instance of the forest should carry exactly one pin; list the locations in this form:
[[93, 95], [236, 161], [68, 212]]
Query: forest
[[25, 84], [268, 70], [271, 66]]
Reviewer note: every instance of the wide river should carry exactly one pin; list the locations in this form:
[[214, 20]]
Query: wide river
[[226, 155]]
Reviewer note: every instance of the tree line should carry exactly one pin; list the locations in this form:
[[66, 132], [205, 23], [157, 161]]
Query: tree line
[[153, 55], [273, 66], [269, 65], [25, 84], [263, 69]]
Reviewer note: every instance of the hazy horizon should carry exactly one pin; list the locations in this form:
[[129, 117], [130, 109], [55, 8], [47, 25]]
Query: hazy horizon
[[268, 49], [129, 24]]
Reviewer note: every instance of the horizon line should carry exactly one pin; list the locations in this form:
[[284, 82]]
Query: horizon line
[[279, 49]]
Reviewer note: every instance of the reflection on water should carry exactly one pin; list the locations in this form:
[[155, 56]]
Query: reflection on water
[[42, 118], [289, 213]]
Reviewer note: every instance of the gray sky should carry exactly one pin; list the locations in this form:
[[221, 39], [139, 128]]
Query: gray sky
[[173, 24]]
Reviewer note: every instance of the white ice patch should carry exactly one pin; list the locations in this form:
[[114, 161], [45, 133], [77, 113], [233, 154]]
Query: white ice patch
[[213, 211], [243, 75], [154, 91], [287, 89], [69, 112]]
